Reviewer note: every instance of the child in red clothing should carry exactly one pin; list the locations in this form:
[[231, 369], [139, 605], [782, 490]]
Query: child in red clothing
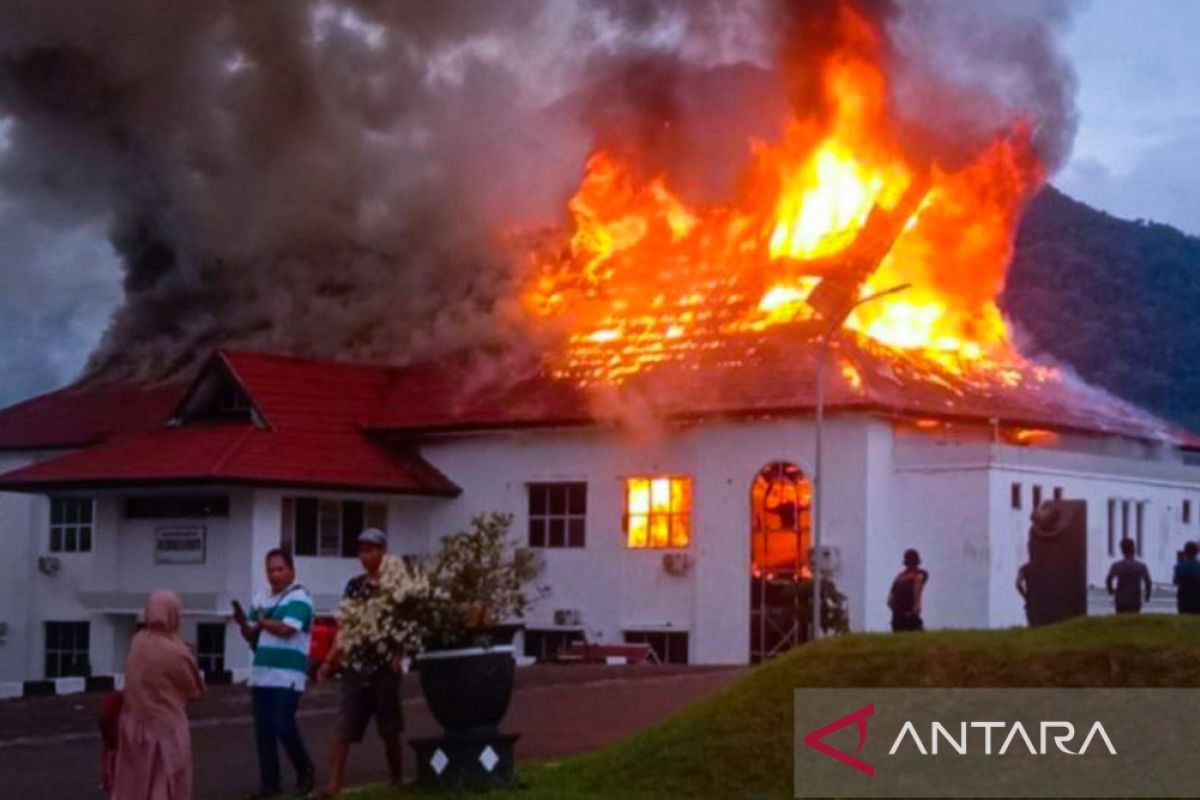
[[110, 719]]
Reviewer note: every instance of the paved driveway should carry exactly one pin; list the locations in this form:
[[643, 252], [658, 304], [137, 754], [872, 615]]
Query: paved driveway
[[49, 749]]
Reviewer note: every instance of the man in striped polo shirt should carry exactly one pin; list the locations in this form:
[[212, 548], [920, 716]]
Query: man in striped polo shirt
[[278, 628]]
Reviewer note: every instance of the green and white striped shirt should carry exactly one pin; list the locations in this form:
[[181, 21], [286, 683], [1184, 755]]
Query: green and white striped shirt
[[280, 662]]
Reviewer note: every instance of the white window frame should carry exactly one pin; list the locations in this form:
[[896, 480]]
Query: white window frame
[[59, 651], [74, 528], [686, 514], [548, 516], [375, 514]]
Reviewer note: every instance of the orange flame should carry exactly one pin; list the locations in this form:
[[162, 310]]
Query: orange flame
[[646, 277]]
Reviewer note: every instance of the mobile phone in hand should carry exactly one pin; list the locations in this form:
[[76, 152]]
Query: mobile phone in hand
[[239, 613]]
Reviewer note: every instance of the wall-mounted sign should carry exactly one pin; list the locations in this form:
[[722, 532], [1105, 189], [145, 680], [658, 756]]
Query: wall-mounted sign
[[179, 544]]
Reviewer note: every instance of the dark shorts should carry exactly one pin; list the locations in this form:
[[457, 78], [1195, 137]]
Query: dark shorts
[[907, 622], [364, 696]]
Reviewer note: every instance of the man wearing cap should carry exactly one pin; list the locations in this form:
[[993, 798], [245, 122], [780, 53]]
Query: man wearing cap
[[370, 682]]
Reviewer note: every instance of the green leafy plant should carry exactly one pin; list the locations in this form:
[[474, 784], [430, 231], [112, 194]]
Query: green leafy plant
[[794, 598], [478, 580]]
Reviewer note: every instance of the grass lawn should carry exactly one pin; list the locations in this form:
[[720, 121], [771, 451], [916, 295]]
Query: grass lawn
[[738, 744]]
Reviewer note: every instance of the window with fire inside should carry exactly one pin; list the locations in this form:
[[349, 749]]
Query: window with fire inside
[[658, 512]]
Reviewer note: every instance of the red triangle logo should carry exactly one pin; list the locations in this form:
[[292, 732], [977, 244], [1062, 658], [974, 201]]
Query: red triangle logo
[[858, 718]]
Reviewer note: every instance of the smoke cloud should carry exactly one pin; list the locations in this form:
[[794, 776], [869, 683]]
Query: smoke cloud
[[336, 178]]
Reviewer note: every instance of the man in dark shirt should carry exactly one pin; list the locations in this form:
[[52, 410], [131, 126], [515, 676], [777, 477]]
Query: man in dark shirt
[[907, 592], [370, 680], [1187, 579], [1023, 588], [1129, 576]]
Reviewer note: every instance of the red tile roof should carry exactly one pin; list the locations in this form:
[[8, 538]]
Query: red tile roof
[[236, 453], [84, 414], [765, 374], [315, 410]]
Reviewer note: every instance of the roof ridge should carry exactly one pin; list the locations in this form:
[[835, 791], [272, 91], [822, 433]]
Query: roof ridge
[[299, 360]]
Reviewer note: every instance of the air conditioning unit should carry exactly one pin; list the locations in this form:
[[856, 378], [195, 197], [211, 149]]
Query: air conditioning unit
[[827, 560], [48, 565], [568, 617], [677, 563]]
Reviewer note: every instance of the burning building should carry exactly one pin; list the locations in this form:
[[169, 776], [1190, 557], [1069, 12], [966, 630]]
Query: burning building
[[655, 433]]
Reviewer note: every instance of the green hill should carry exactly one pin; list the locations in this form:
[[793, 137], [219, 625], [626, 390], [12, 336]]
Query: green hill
[[1114, 299], [738, 744]]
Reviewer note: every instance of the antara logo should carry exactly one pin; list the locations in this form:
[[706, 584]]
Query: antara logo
[[858, 718], [1009, 734], [1063, 733]]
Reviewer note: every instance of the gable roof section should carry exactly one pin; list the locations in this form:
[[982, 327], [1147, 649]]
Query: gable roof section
[[316, 439], [235, 453], [84, 414]]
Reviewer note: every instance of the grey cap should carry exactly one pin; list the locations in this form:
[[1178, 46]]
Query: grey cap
[[373, 536]]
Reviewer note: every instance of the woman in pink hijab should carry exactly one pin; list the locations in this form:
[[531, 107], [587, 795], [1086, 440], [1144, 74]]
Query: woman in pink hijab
[[154, 757]]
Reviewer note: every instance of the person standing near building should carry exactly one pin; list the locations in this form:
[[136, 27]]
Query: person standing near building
[[1126, 579], [1187, 580], [907, 594], [154, 745], [1023, 588], [278, 628], [370, 679]]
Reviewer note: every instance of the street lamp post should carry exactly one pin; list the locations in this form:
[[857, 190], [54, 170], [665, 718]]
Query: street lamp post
[[818, 479]]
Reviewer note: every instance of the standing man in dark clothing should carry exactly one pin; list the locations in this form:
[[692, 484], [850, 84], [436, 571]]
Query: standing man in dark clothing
[[1129, 576], [1023, 588], [1187, 579], [370, 681], [907, 592]]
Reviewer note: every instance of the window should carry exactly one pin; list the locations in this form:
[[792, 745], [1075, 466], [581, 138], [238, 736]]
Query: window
[[1037, 497], [314, 526], [1058, 493], [186, 506], [1015, 496], [658, 512], [67, 650], [545, 644], [670, 647], [231, 400], [557, 512], [1124, 519], [71, 524], [1112, 527], [210, 647], [1187, 512]]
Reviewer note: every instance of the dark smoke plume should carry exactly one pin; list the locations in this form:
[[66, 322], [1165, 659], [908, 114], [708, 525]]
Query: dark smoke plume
[[332, 178]]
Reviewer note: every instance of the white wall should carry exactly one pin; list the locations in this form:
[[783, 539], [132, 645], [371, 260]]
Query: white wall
[[618, 588], [1162, 487], [17, 570], [942, 511]]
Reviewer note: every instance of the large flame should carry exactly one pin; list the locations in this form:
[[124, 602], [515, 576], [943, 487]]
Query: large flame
[[645, 277]]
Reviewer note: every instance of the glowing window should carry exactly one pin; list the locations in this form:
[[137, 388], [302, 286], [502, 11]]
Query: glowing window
[[658, 512]]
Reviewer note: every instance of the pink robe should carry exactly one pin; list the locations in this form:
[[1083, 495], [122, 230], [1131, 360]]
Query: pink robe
[[154, 756]]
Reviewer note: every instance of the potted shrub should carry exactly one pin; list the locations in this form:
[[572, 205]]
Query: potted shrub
[[478, 585]]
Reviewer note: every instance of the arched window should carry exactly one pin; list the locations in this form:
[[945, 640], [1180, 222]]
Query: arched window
[[781, 521]]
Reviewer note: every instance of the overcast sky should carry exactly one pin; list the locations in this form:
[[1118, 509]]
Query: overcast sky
[[1137, 155]]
